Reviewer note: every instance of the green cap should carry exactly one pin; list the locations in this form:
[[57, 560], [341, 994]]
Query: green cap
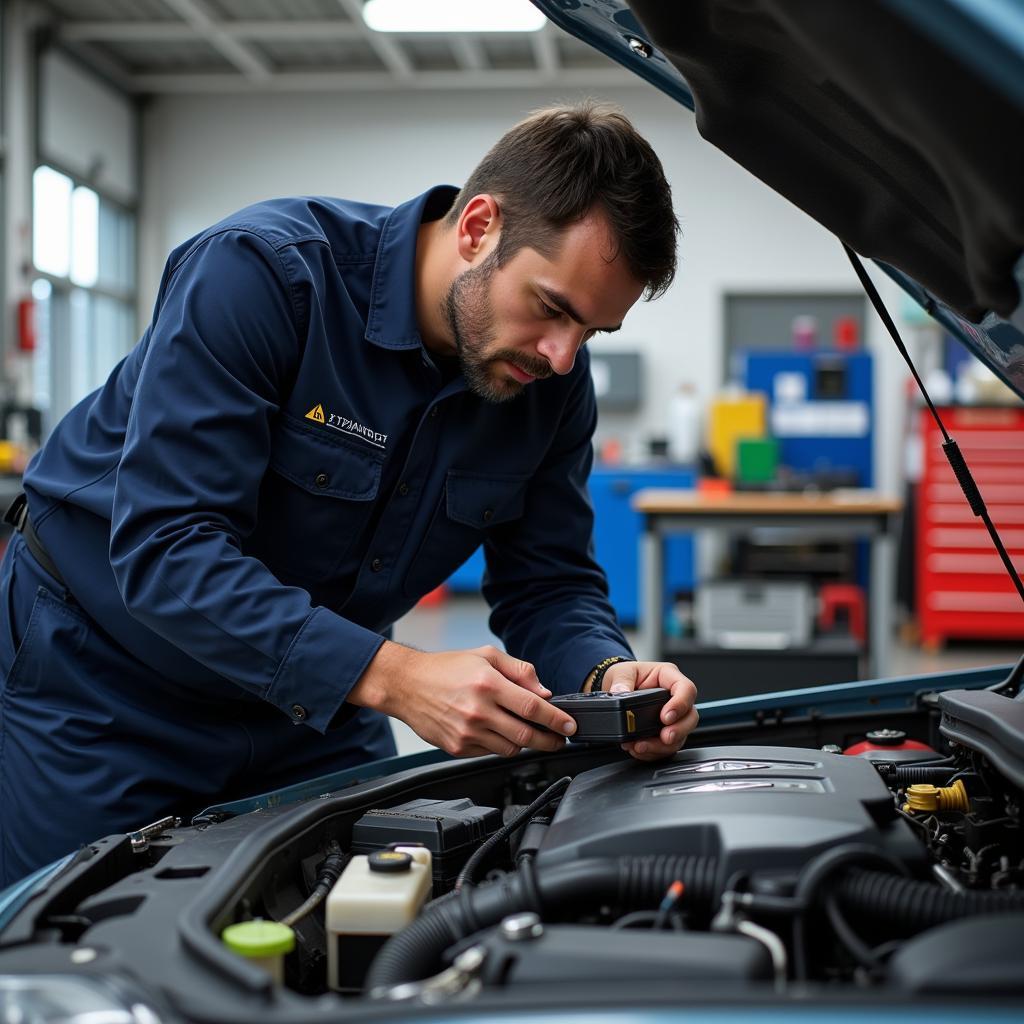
[[258, 938]]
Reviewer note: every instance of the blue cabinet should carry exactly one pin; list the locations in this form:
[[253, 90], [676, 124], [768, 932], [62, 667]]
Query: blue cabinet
[[833, 428], [617, 530]]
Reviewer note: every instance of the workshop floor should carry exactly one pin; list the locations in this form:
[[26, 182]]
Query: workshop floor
[[461, 622]]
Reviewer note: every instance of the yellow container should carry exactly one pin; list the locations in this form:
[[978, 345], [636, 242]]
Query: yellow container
[[8, 456], [732, 419]]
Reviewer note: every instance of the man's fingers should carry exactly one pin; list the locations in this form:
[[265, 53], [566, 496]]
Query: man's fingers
[[684, 693], [509, 739], [522, 673], [620, 678], [522, 734], [498, 744], [666, 743], [675, 735], [533, 708], [650, 749], [666, 675]]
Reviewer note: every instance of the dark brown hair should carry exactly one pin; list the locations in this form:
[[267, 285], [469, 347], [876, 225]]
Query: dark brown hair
[[553, 168]]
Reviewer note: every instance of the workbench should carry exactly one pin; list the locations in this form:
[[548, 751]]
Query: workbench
[[846, 515]]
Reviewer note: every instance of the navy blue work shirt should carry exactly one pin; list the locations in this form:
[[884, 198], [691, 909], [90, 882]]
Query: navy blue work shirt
[[279, 470]]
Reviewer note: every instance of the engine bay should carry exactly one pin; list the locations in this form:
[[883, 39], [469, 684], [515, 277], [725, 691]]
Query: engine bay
[[826, 856]]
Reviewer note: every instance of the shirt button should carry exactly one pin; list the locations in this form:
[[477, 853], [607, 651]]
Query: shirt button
[[433, 412], [403, 489], [322, 480], [376, 565], [298, 713], [488, 514]]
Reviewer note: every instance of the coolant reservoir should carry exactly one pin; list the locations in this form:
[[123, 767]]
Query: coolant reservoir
[[376, 896]]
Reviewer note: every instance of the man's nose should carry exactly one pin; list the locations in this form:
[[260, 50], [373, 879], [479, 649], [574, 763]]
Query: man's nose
[[559, 349]]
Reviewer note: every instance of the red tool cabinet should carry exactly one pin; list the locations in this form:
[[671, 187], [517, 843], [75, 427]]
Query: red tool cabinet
[[962, 586]]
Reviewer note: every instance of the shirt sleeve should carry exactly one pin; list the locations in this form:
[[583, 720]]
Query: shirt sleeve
[[223, 348], [548, 596]]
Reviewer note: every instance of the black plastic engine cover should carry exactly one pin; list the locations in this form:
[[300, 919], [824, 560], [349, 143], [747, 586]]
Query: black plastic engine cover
[[990, 723], [980, 955], [753, 807], [565, 953]]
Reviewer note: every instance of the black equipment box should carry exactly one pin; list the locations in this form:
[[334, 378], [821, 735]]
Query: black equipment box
[[605, 717], [450, 829]]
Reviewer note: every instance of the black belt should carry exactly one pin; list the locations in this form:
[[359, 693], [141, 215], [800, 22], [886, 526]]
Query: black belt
[[17, 516]]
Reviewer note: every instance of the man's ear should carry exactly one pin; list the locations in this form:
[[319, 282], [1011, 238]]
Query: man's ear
[[478, 227]]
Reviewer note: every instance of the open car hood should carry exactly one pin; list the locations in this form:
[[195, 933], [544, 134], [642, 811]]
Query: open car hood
[[896, 124]]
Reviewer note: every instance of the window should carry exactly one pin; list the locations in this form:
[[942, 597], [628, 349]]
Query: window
[[83, 250]]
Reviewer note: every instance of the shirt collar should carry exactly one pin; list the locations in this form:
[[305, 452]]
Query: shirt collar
[[391, 321]]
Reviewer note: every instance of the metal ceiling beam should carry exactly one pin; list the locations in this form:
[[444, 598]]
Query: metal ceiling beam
[[545, 51], [469, 54], [394, 58], [194, 12], [175, 31], [114, 72], [358, 81]]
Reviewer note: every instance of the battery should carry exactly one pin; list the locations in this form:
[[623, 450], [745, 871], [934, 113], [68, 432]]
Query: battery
[[606, 717], [450, 829]]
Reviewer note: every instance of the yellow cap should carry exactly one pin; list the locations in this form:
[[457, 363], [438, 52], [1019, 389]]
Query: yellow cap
[[925, 797], [922, 797], [954, 798], [258, 938]]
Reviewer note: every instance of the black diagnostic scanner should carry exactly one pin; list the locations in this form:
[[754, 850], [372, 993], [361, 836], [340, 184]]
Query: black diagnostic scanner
[[605, 717]]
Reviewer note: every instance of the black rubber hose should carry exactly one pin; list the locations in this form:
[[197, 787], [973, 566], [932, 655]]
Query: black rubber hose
[[916, 906], [643, 880], [532, 837], [330, 871], [814, 874], [911, 774], [631, 883], [489, 845]]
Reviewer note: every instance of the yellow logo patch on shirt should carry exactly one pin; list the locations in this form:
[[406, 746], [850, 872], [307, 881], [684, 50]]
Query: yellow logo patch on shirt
[[316, 414]]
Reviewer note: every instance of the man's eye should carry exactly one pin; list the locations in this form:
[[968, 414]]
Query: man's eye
[[549, 311]]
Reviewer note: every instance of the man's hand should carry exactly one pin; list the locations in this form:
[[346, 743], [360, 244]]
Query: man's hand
[[678, 716], [463, 701]]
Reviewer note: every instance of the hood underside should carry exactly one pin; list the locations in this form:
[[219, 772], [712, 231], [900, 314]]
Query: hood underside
[[896, 124]]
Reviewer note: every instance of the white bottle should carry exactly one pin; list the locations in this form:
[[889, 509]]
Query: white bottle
[[965, 390], [376, 896], [684, 425]]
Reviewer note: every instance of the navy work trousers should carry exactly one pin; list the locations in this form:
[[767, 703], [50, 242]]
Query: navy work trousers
[[93, 742]]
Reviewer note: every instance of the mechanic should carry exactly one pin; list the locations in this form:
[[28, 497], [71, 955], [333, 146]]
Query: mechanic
[[333, 405]]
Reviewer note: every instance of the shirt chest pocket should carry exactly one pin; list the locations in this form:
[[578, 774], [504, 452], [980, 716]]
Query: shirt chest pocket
[[471, 505], [316, 502]]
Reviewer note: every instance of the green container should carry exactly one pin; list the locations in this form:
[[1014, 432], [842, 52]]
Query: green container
[[757, 459], [263, 943]]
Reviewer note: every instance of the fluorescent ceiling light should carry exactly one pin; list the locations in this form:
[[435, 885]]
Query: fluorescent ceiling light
[[452, 16]]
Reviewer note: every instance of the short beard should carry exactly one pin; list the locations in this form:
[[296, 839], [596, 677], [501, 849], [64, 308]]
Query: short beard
[[467, 309]]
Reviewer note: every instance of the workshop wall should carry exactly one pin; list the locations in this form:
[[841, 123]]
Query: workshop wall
[[206, 156]]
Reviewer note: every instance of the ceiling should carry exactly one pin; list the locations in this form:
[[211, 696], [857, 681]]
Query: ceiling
[[218, 46]]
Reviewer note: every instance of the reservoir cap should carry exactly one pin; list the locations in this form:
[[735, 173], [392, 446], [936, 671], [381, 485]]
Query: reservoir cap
[[389, 861], [258, 938]]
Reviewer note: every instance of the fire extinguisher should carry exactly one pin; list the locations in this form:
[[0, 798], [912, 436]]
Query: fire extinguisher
[[27, 325]]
